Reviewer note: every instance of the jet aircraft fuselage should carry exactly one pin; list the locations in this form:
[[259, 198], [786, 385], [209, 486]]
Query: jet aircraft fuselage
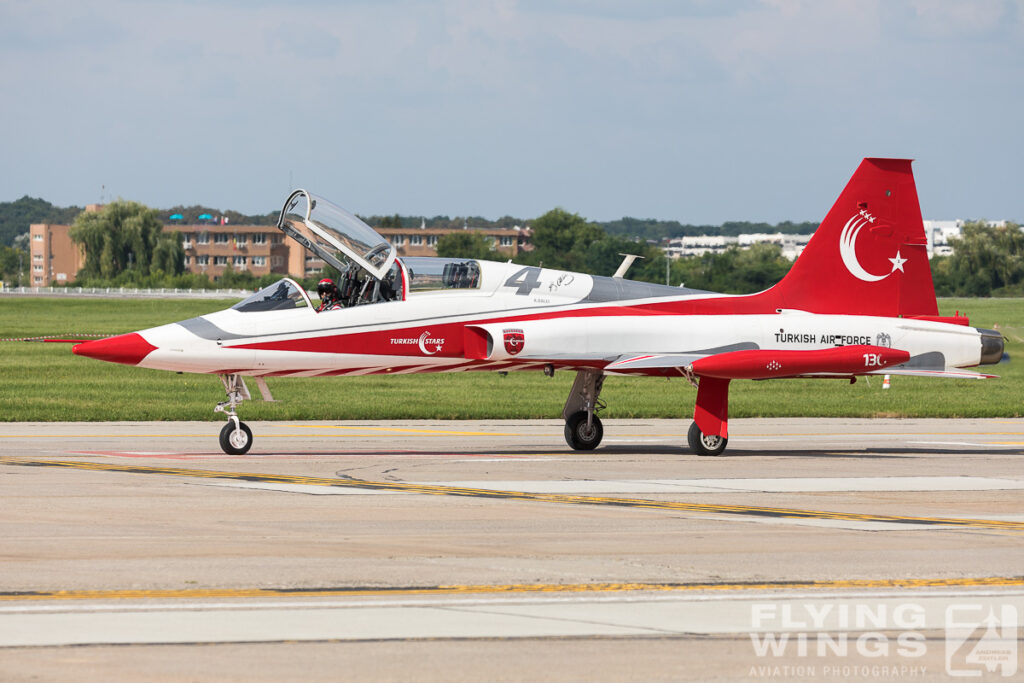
[[859, 301]]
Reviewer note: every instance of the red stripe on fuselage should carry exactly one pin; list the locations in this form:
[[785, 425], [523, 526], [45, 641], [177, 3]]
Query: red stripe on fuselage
[[446, 340]]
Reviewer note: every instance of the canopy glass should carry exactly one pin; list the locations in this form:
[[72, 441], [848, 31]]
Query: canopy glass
[[334, 234], [281, 295]]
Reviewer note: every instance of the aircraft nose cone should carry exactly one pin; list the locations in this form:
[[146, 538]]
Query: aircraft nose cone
[[128, 349]]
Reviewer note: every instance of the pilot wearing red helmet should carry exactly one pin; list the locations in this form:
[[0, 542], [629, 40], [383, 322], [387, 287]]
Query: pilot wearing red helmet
[[330, 299]]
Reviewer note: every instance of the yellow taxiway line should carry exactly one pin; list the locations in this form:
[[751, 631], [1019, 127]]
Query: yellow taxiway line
[[403, 430], [566, 499], [514, 588]]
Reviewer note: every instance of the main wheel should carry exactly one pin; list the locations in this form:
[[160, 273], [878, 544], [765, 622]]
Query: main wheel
[[578, 436], [236, 441], [705, 444]]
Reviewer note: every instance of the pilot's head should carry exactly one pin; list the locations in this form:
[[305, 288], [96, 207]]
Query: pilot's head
[[326, 287]]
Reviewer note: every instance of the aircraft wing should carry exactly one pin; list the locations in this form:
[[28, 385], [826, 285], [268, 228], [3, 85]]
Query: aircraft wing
[[948, 373], [640, 362]]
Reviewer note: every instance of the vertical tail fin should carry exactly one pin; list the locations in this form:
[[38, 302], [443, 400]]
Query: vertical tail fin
[[869, 256]]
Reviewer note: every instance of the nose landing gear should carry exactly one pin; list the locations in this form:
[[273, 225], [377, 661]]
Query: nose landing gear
[[235, 437]]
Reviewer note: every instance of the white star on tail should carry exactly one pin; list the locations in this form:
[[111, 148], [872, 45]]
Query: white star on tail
[[897, 263]]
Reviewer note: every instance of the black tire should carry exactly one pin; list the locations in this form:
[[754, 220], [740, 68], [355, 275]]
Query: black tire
[[241, 441], [578, 436], [705, 445]]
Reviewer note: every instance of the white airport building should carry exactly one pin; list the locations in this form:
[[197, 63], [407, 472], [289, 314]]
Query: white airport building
[[696, 245], [938, 234]]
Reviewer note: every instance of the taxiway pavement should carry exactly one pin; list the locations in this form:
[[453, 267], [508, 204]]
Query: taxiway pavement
[[489, 550]]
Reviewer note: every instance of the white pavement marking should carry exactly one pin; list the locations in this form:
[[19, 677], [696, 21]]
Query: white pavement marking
[[780, 485], [969, 444], [850, 525], [271, 625], [530, 617]]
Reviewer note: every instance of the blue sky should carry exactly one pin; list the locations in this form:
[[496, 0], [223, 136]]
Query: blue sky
[[695, 110]]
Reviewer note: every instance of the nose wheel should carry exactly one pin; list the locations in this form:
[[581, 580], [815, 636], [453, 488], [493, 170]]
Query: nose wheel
[[235, 437]]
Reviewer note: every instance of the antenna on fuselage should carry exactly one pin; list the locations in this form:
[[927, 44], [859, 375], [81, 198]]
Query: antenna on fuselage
[[627, 261]]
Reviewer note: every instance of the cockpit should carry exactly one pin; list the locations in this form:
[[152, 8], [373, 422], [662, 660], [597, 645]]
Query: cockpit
[[429, 274], [370, 271], [280, 296], [356, 287]]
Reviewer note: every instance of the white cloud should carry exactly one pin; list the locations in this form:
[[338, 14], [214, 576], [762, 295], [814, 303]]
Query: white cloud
[[497, 107]]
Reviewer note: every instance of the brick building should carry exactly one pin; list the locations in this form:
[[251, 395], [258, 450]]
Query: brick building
[[422, 241], [260, 249], [53, 256]]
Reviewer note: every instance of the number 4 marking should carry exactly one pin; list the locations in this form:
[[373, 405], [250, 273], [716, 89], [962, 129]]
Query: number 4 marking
[[527, 279]]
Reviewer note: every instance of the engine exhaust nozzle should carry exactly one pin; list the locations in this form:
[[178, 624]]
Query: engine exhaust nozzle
[[991, 346]]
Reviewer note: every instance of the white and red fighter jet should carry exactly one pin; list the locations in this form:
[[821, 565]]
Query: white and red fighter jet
[[858, 301]]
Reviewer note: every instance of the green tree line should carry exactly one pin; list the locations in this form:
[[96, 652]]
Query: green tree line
[[125, 245], [568, 241], [653, 229], [17, 216], [986, 261], [126, 237]]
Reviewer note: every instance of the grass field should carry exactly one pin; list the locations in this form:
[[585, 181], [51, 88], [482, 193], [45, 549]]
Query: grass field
[[45, 382]]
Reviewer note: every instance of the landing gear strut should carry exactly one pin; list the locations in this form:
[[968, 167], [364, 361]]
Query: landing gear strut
[[709, 432], [583, 429], [235, 437]]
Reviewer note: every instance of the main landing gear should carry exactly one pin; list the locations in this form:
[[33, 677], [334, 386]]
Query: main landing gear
[[709, 432], [705, 444], [708, 435], [583, 429], [235, 437]]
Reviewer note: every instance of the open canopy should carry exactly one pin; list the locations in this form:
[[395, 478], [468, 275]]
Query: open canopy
[[334, 234]]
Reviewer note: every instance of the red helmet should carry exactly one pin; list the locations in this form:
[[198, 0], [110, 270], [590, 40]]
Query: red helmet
[[324, 286]]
